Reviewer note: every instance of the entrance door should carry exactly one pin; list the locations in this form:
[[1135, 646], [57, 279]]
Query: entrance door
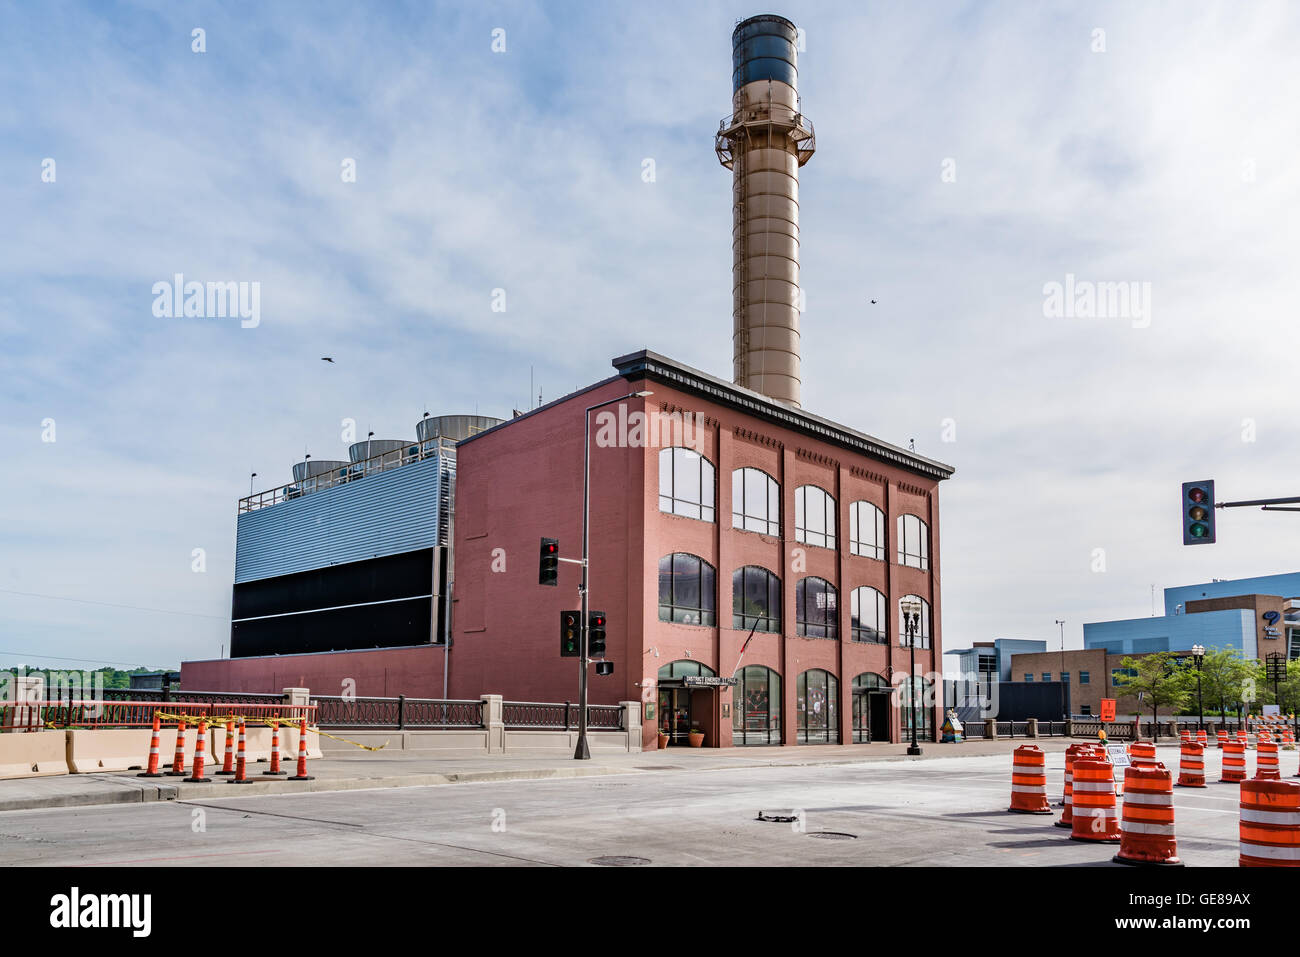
[[675, 714], [878, 715]]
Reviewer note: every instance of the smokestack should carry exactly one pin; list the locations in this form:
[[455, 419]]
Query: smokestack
[[764, 142]]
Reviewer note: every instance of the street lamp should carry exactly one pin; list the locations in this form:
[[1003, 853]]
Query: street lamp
[[911, 611], [583, 752], [1198, 659]]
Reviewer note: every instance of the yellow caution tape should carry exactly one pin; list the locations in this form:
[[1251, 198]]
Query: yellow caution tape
[[223, 720]]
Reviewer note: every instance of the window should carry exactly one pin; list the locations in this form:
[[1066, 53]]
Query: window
[[923, 713], [817, 698], [866, 530], [756, 599], [814, 517], [685, 483], [1121, 674], [1047, 676], [1028, 676], [687, 590], [1085, 677], [756, 714], [817, 612], [923, 633], [868, 615], [755, 502], [1065, 676], [1085, 709], [913, 542]]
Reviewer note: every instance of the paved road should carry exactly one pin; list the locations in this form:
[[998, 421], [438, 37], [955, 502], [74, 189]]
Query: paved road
[[940, 811]]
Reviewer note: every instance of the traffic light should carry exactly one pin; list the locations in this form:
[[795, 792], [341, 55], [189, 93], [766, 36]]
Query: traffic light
[[596, 634], [549, 571], [570, 634], [1198, 513]]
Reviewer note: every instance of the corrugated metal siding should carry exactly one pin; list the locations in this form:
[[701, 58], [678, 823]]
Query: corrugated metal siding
[[385, 514]]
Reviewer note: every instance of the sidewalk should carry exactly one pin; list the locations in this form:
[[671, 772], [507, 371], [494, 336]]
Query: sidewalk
[[376, 769]]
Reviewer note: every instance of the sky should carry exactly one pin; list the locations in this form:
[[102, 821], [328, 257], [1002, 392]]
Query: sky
[[969, 155]]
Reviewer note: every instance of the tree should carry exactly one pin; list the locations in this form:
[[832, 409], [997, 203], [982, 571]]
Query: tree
[[1224, 674], [1161, 678]]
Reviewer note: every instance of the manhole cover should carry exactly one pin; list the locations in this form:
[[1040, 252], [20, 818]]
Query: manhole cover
[[833, 835], [617, 861], [783, 817]]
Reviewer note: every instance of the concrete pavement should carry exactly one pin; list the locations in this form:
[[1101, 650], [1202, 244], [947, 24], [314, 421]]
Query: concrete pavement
[[380, 769], [691, 810]]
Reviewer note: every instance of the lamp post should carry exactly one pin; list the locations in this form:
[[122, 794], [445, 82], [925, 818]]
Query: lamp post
[[1198, 659], [911, 611], [583, 752], [1061, 622]]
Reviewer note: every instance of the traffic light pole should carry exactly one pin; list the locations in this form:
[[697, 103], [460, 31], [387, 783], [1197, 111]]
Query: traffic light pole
[[583, 752], [1264, 503]]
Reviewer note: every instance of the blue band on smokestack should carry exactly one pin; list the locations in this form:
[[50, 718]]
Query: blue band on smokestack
[[763, 48]]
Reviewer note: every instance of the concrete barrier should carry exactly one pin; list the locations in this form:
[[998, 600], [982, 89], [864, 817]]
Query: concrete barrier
[[122, 749], [29, 754]]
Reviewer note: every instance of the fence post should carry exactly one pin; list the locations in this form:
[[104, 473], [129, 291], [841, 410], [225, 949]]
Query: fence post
[[566, 716], [991, 728], [167, 687], [401, 712], [1031, 728], [494, 722], [632, 724]]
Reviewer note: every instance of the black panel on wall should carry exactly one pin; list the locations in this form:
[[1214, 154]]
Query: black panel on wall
[[377, 579], [344, 629]]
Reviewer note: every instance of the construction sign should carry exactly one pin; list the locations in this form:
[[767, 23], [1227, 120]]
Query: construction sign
[[1107, 709]]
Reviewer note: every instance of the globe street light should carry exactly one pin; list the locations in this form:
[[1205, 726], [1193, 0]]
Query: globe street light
[[1198, 659]]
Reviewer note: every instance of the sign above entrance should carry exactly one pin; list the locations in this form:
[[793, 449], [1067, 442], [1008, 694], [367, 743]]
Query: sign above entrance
[[709, 681]]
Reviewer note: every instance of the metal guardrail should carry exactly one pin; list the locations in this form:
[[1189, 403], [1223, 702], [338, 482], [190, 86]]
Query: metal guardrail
[[559, 716], [97, 713], [397, 714], [414, 451]]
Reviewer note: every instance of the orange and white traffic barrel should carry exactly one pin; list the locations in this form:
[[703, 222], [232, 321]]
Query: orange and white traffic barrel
[[1029, 781], [1242, 738], [1191, 765], [152, 771], [1095, 817], [1266, 766], [1202, 738], [1186, 735], [1147, 825], [1142, 754], [1072, 754], [1222, 738], [1270, 824], [1234, 763]]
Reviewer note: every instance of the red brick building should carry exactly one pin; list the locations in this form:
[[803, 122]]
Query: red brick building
[[716, 513]]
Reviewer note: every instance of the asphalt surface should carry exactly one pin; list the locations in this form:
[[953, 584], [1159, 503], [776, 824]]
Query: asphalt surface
[[938, 811]]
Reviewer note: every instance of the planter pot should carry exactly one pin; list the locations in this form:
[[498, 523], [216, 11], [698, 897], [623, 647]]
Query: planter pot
[[663, 740], [697, 739]]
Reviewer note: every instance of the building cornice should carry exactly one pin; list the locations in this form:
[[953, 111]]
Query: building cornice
[[651, 365]]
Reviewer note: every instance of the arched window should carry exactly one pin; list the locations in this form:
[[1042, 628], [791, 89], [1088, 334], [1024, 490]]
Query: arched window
[[817, 699], [755, 502], [688, 591], [686, 483], [817, 613], [868, 611], [756, 599], [923, 713], [756, 711], [913, 542], [866, 530], [814, 516], [923, 631], [872, 704]]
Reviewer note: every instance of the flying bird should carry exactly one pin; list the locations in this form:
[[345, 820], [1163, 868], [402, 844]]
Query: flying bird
[[873, 302], [326, 359]]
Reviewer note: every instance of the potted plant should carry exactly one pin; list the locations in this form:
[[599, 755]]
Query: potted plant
[[663, 740], [696, 737]]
